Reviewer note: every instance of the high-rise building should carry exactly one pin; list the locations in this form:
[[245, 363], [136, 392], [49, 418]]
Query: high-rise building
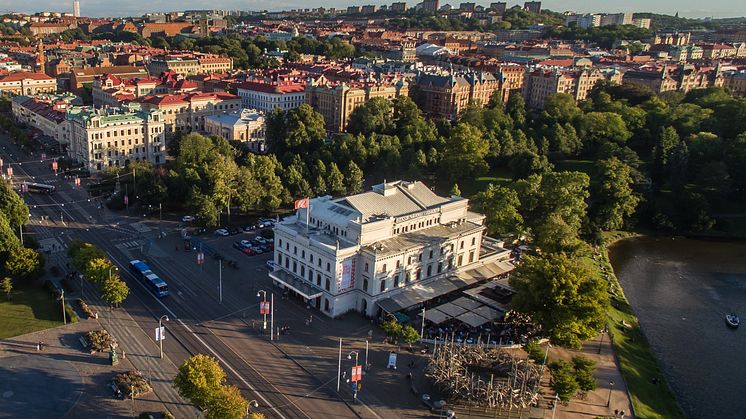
[[532, 6], [430, 5], [368, 9], [499, 7], [399, 6], [76, 8], [467, 7]]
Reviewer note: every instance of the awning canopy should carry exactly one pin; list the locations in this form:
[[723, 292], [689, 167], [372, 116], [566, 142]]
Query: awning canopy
[[305, 289], [466, 303], [451, 309], [436, 316], [472, 319], [488, 313], [419, 293]]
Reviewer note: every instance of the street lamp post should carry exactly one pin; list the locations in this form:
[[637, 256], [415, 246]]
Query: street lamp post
[[554, 408], [353, 375], [160, 331], [546, 355], [611, 387], [110, 268], [603, 332], [254, 404], [264, 303]]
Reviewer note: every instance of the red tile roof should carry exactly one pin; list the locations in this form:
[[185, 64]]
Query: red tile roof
[[276, 88], [22, 75]]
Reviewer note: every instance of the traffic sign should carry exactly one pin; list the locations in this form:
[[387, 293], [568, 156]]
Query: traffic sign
[[264, 307], [54, 165], [77, 181], [160, 333], [357, 373], [200, 258]]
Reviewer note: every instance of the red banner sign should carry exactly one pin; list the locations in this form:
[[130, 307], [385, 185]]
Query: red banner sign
[[264, 307], [200, 258], [357, 373]]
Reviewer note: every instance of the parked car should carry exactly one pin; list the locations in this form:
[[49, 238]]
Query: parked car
[[245, 243], [233, 230], [258, 250], [187, 219], [264, 248], [260, 240], [248, 228], [222, 232], [237, 245], [200, 231], [271, 265], [249, 251]]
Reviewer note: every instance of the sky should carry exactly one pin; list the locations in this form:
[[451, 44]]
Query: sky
[[96, 8]]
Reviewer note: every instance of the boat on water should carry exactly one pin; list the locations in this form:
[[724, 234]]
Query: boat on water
[[732, 320]]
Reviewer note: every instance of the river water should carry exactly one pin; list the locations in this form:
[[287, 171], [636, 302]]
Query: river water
[[681, 290]]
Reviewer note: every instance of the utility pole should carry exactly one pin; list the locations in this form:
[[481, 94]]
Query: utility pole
[[339, 364], [272, 317], [220, 279], [160, 218], [64, 315]]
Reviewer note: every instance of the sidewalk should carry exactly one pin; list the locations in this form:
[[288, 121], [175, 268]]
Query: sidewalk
[[74, 381]]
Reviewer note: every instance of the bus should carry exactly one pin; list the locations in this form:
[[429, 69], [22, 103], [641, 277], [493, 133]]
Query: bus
[[39, 187], [142, 271]]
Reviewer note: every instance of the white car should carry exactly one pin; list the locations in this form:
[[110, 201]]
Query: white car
[[222, 232], [187, 219], [245, 243], [260, 240], [271, 265]]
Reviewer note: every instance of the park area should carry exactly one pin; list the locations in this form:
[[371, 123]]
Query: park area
[[29, 309]]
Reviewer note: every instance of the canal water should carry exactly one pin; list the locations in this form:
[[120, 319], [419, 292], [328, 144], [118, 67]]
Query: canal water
[[681, 290]]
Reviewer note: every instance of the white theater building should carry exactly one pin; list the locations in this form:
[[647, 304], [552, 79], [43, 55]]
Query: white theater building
[[391, 248]]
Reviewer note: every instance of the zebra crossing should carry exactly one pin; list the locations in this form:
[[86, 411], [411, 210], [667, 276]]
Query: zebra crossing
[[132, 244]]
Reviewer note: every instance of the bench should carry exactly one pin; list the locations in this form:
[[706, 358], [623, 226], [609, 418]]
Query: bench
[[83, 342]]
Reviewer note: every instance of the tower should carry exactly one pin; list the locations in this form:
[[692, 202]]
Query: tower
[[76, 8], [40, 59]]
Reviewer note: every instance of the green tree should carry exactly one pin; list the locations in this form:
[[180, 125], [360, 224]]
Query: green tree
[[516, 108], [372, 116], [8, 239], [534, 351], [563, 380], [455, 191], [97, 270], [12, 205], [561, 108], [467, 148], [409, 335], [114, 291], [584, 369], [561, 294], [24, 263], [297, 130], [614, 198], [7, 287], [226, 403], [500, 205], [665, 143], [353, 178], [199, 379], [335, 180], [392, 327], [600, 127]]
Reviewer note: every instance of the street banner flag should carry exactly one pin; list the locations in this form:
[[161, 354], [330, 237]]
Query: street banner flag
[[301, 203], [200, 258], [357, 373], [264, 307]]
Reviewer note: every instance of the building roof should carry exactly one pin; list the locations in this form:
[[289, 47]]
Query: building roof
[[245, 116], [275, 88], [393, 199], [166, 99], [24, 75]]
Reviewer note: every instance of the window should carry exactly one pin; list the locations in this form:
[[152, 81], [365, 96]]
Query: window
[[419, 274], [365, 284], [295, 250], [318, 279], [279, 258], [303, 254], [287, 263], [383, 285], [295, 266], [431, 254], [328, 267], [303, 271], [398, 263], [429, 270], [366, 266], [440, 267], [280, 241], [326, 304], [473, 241], [327, 285], [471, 256], [383, 269], [460, 260], [311, 257], [461, 246], [396, 281]]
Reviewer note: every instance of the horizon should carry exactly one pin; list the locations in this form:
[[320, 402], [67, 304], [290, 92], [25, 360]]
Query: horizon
[[717, 9]]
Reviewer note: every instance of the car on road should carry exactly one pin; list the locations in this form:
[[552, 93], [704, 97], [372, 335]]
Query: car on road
[[187, 219], [222, 232], [271, 265]]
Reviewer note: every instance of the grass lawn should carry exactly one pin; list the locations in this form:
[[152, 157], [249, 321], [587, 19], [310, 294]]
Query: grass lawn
[[29, 309], [499, 176], [585, 166], [637, 362]]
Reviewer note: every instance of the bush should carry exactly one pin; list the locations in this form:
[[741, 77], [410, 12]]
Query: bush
[[86, 309], [534, 351], [584, 369], [72, 316], [563, 380], [132, 383], [100, 340], [391, 327]]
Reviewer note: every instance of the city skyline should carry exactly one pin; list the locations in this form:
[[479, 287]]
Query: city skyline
[[117, 8]]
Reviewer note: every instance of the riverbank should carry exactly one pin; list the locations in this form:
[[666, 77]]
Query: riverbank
[[650, 394]]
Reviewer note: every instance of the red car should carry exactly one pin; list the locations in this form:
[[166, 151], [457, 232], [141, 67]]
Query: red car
[[248, 251]]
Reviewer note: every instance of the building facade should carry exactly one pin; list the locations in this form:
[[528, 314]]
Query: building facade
[[336, 101], [446, 96], [246, 126], [27, 83], [266, 97], [46, 113], [351, 253], [190, 64], [542, 83], [115, 137], [187, 112]]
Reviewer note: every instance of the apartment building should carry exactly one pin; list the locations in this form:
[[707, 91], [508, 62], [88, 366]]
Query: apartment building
[[430, 5], [267, 96], [446, 96], [190, 64], [542, 83], [86, 76], [26, 83], [735, 82], [336, 101], [110, 90], [45, 112], [246, 126], [115, 137], [532, 6], [683, 77], [186, 112], [362, 252]]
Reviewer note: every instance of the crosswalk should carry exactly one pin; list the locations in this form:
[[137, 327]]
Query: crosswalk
[[133, 244]]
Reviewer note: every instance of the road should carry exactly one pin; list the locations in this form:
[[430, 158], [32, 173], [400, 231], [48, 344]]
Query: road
[[257, 367]]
